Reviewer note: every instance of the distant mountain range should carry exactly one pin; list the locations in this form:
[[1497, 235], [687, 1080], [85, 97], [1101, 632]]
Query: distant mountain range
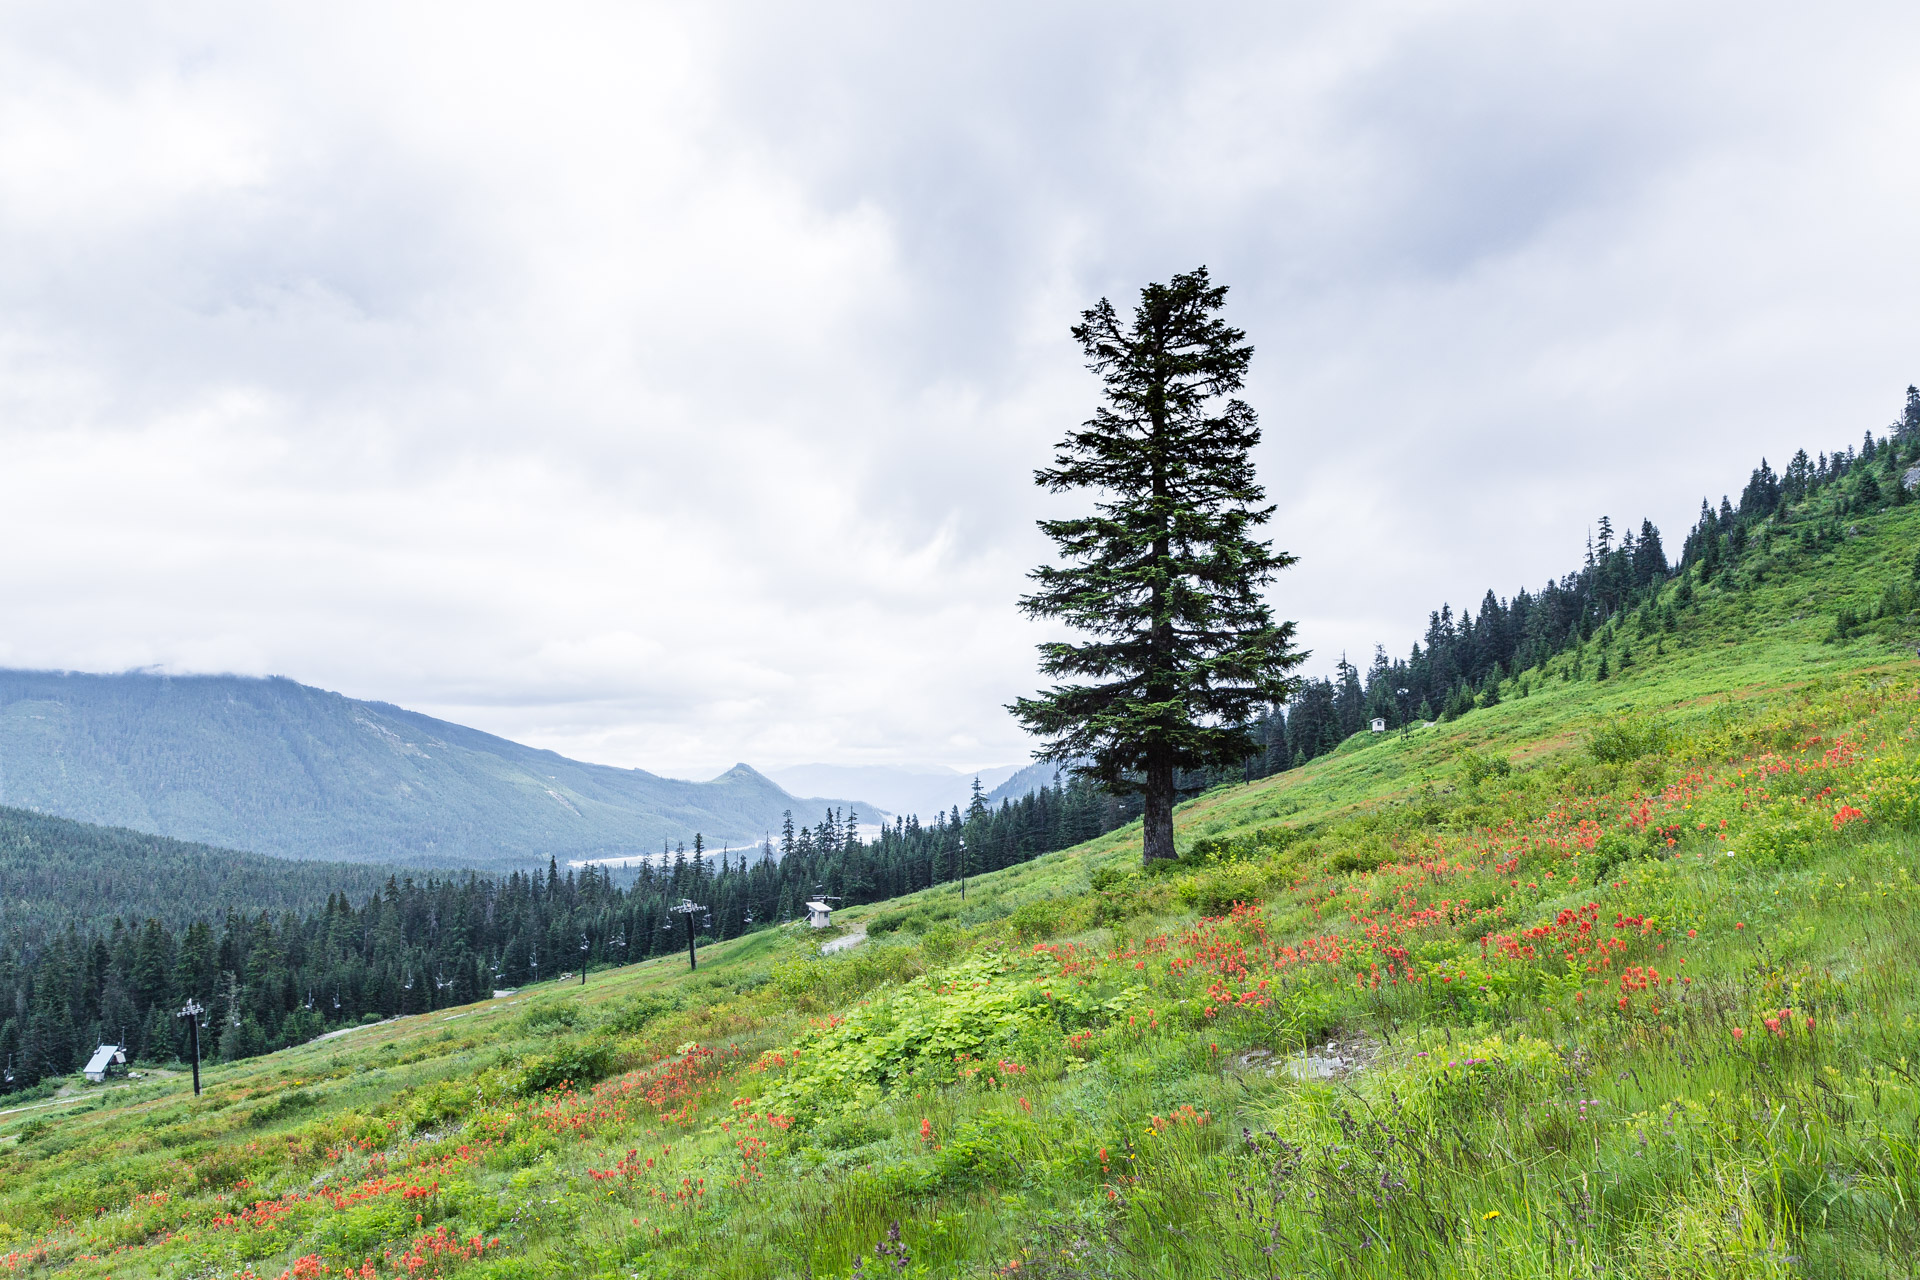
[[919, 789], [277, 767], [1026, 781]]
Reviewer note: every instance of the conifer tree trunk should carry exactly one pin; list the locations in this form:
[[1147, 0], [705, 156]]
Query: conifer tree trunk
[[1157, 823]]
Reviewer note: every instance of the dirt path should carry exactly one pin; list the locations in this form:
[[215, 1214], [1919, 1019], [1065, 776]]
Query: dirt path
[[843, 944]]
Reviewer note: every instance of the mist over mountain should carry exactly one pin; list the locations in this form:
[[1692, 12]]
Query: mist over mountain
[[278, 767]]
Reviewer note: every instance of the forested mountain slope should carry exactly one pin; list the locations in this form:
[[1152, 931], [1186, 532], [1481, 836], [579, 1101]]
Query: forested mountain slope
[[282, 768], [1606, 975], [55, 872]]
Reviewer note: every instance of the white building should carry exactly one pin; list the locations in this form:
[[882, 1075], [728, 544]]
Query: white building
[[1378, 724], [104, 1060], [819, 914]]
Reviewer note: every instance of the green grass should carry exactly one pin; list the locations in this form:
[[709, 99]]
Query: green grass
[[1083, 1070]]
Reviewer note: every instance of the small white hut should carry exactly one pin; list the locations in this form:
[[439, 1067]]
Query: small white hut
[[1378, 724], [104, 1060], [819, 914]]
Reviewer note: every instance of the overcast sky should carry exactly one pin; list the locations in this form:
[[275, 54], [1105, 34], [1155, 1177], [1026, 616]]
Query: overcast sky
[[663, 385]]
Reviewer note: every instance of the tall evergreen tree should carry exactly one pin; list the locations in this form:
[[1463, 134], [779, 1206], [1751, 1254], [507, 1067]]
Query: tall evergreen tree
[[1166, 574]]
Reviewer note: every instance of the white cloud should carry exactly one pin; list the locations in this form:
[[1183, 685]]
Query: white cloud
[[662, 384]]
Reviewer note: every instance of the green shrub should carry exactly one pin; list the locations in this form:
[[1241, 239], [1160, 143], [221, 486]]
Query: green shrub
[[1215, 892], [1785, 832], [1615, 848], [1364, 856], [1893, 792], [364, 1227], [281, 1106], [1039, 919], [889, 922], [939, 942], [983, 1152], [631, 1016], [579, 1063], [439, 1103], [1627, 738], [929, 1032], [1263, 842], [813, 977], [844, 1133], [1477, 768], [550, 1015], [1449, 1078], [1129, 895]]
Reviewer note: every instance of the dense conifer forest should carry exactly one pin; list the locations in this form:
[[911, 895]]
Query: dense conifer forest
[[296, 960], [55, 872]]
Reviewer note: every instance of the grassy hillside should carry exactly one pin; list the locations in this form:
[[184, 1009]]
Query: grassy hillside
[[281, 768], [1610, 979]]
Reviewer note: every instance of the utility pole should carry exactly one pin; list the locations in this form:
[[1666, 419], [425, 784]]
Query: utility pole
[[191, 1012], [963, 868], [584, 947], [687, 908]]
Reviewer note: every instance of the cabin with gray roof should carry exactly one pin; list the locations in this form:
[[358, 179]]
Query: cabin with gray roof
[[104, 1060]]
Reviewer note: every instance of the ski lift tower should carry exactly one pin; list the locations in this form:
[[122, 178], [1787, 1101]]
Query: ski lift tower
[[688, 908], [191, 1011]]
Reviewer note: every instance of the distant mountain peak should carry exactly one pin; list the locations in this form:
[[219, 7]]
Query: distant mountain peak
[[278, 767]]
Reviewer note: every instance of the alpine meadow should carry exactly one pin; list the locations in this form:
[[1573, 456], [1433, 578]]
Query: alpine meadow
[[1575, 943]]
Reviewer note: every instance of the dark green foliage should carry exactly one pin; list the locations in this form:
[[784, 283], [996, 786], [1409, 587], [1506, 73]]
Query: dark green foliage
[[578, 1063], [1038, 919], [633, 1015], [1476, 768], [280, 1106], [55, 872], [1263, 842], [1356, 858], [888, 922], [1166, 574], [985, 1151], [1624, 739]]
